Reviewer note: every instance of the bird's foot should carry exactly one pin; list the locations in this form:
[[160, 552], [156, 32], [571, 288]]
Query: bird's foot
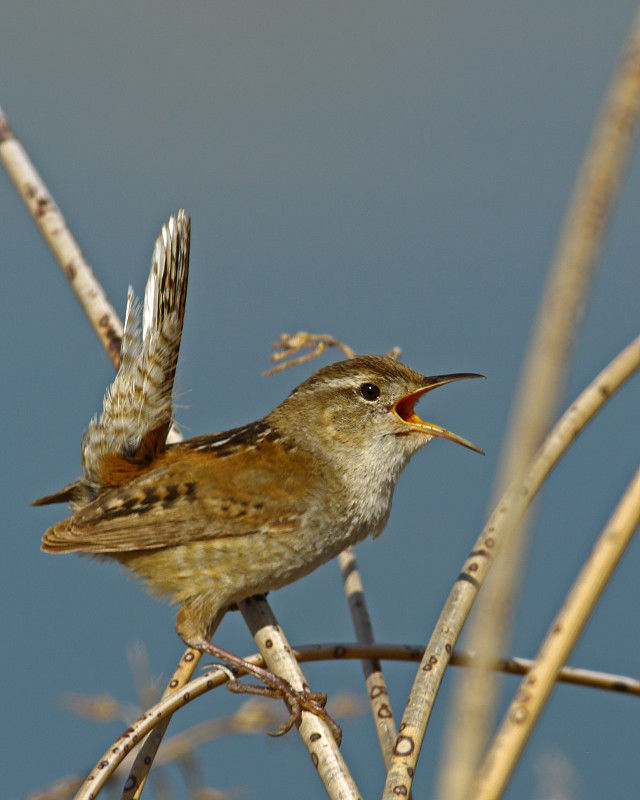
[[298, 700]]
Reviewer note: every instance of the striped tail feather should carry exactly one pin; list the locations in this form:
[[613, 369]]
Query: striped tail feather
[[138, 411]]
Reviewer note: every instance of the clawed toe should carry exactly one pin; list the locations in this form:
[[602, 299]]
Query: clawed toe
[[298, 700], [273, 685]]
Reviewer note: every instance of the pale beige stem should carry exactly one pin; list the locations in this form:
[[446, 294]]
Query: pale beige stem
[[125, 743], [541, 386], [252, 717], [374, 677], [314, 732], [511, 506], [144, 760], [514, 665], [57, 235], [536, 687]]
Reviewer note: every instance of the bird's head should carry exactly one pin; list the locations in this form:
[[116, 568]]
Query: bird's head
[[363, 408]]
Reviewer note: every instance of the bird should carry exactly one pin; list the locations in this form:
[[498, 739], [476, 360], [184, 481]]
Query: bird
[[212, 520]]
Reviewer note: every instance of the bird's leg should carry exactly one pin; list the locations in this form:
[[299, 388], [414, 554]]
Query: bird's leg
[[298, 700]]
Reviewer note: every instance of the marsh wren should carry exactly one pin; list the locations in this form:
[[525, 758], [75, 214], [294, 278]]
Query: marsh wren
[[212, 520]]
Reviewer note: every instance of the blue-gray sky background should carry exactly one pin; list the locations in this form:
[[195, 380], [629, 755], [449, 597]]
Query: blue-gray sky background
[[394, 174]]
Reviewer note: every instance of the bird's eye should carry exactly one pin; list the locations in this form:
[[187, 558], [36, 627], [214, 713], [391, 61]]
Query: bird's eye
[[370, 391]]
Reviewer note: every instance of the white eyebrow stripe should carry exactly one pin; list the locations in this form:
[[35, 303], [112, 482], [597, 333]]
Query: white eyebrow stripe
[[345, 381]]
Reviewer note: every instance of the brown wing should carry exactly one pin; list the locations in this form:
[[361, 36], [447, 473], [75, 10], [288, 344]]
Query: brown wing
[[137, 410], [193, 494]]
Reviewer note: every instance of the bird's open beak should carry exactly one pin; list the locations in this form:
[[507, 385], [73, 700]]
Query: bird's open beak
[[404, 409]]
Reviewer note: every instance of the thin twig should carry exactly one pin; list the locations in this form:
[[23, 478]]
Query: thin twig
[[535, 689], [514, 665], [374, 677], [511, 506], [125, 743], [139, 771], [145, 685], [53, 227], [253, 717], [316, 735], [291, 343], [541, 386]]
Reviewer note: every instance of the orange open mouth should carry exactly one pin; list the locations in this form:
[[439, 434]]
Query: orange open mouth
[[404, 408]]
